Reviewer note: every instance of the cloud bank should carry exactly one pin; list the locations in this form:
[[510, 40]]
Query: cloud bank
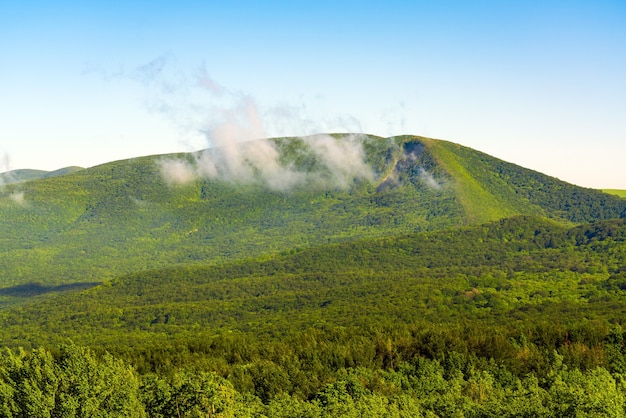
[[235, 130], [336, 163]]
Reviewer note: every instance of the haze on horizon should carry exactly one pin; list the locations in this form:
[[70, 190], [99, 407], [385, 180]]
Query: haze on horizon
[[539, 84]]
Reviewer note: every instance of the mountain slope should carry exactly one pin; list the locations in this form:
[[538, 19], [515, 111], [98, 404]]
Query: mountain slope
[[491, 188], [99, 223], [499, 273], [620, 193]]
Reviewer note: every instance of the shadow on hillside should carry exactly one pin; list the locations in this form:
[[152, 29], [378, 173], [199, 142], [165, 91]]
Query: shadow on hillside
[[35, 289]]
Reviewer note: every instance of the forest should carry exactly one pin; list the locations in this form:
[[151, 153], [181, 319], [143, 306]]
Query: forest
[[481, 290], [522, 314]]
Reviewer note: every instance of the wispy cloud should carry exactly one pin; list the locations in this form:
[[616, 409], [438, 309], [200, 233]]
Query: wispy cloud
[[429, 180], [337, 163], [7, 177], [5, 167], [234, 129], [18, 197]]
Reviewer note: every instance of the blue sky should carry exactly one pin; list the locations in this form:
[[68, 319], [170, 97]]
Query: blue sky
[[538, 83]]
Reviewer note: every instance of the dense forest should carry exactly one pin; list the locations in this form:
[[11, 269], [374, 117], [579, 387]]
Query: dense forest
[[480, 289], [519, 313]]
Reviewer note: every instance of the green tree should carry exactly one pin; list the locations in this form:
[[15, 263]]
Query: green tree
[[188, 394], [76, 384]]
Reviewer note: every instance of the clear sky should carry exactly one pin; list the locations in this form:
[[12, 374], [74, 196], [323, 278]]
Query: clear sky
[[538, 83]]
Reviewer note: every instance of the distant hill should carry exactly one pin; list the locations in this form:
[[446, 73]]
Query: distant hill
[[264, 197], [20, 175], [620, 193]]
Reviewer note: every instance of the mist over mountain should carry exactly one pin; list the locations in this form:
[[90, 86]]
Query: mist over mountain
[[264, 196]]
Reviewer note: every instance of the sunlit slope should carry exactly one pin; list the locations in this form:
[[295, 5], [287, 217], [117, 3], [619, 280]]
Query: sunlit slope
[[490, 188], [616, 192], [124, 216]]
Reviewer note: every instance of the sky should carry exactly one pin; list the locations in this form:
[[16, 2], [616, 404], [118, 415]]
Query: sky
[[541, 84]]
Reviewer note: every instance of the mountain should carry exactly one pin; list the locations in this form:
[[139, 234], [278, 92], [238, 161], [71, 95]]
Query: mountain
[[20, 175], [96, 224]]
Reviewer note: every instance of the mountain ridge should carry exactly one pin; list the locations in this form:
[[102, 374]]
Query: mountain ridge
[[21, 175], [97, 223]]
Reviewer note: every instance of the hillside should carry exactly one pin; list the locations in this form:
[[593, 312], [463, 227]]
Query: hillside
[[323, 276], [499, 273], [467, 319], [96, 224]]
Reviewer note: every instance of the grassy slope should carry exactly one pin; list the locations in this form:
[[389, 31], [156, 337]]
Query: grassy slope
[[620, 193], [491, 189], [481, 205]]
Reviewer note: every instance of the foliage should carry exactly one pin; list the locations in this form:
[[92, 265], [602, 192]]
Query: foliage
[[69, 384], [73, 384]]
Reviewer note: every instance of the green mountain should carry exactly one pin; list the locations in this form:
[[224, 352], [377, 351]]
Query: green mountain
[[99, 223], [20, 175]]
